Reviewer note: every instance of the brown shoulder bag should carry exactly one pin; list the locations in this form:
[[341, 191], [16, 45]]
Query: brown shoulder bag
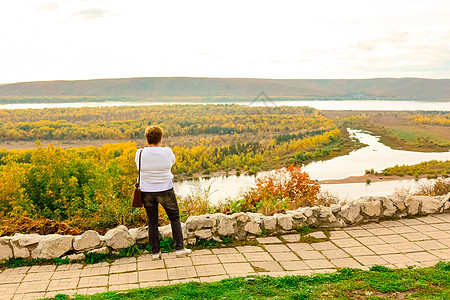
[[137, 196]]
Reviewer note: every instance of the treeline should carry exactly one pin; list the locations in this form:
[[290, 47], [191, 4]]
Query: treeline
[[432, 119], [129, 123], [59, 99], [335, 144]]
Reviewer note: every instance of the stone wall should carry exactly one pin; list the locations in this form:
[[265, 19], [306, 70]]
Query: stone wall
[[240, 226]]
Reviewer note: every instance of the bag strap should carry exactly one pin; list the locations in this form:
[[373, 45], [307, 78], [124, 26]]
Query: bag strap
[[139, 176]]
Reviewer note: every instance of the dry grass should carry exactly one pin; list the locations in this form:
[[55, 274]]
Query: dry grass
[[326, 198], [197, 203], [437, 188], [27, 225]]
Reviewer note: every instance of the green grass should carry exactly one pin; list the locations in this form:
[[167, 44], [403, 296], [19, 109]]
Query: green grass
[[408, 135], [412, 135], [90, 258], [378, 283], [20, 262]]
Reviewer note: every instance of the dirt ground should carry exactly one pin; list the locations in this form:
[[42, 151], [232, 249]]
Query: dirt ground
[[371, 177]]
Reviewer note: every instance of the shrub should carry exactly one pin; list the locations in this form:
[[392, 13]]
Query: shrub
[[326, 198], [281, 189], [378, 268], [439, 187], [206, 244], [130, 251], [230, 206], [61, 261], [166, 245], [197, 203], [371, 171]]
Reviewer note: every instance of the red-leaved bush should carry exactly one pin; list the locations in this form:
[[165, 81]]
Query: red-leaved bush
[[281, 190]]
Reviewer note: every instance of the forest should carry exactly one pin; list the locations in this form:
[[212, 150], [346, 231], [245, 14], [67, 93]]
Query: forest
[[127, 123], [90, 187]]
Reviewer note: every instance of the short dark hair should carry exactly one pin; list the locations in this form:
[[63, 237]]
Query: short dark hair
[[153, 134]]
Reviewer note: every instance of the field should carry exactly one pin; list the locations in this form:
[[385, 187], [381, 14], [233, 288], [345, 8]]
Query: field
[[413, 131]]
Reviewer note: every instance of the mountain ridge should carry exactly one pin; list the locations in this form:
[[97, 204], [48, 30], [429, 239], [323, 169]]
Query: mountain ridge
[[180, 87]]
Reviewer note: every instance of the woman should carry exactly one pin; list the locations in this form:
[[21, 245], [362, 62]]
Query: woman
[[157, 187]]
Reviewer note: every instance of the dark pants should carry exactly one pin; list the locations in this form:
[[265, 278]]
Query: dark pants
[[170, 205]]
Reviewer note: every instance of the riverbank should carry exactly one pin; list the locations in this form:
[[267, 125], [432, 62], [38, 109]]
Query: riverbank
[[371, 177]]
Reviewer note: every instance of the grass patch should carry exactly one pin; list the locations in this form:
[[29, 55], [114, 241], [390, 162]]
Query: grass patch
[[304, 230], [21, 262], [379, 283], [205, 244], [420, 137], [305, 238]]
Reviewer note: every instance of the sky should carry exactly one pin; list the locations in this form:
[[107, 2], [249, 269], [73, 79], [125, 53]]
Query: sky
[[320, 39]]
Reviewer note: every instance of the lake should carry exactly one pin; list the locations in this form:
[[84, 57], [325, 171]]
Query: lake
[[318, 104], [375, 155]]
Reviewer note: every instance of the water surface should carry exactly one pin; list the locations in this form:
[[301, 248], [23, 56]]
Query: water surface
[[318, 104]]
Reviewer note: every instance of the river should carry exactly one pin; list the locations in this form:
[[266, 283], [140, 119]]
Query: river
[[375, 155], [318, 104]]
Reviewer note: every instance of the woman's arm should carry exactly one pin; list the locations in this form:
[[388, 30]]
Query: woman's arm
[[136, 158], [172, 156]]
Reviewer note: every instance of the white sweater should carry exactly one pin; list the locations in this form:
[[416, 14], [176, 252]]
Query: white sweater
[[156, 163]]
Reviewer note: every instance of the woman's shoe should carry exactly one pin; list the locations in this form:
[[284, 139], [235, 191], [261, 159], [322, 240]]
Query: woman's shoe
[[183, 253], [156, 256]]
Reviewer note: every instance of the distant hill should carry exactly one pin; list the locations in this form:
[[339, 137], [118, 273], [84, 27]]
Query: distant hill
[[154, 88]]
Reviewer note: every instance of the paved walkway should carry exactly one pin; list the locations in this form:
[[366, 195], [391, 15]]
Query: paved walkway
[[397, 244]]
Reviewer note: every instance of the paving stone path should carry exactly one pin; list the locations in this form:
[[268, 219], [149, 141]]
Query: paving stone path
[[397, 244]]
